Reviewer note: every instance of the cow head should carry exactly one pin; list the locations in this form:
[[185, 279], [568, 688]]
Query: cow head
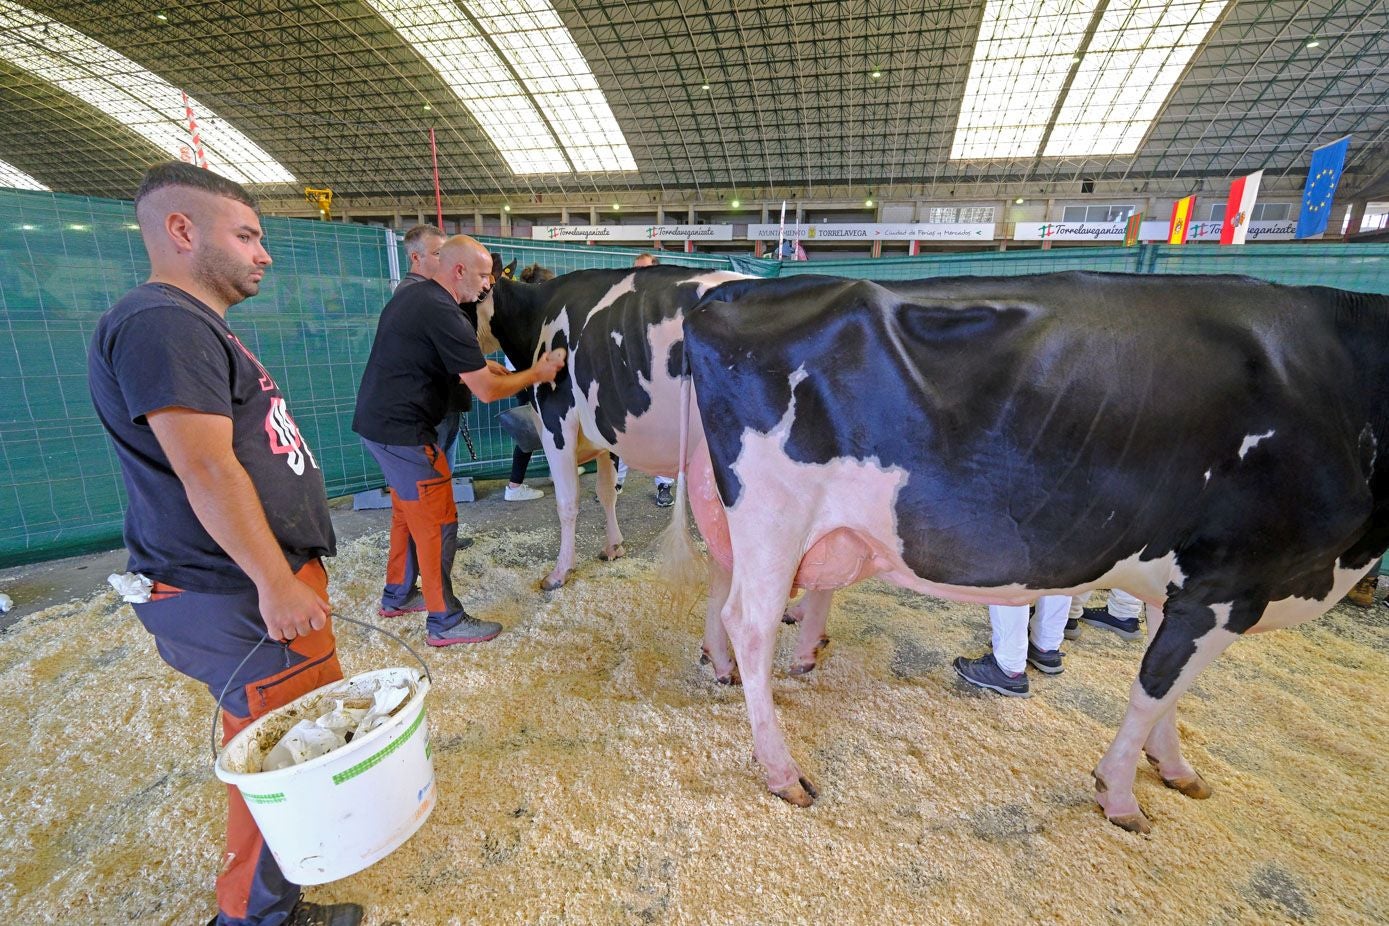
[[509, 319]]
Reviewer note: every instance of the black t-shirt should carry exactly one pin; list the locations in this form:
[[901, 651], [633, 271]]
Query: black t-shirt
[[159, 347], [460, 396], [423, 342]]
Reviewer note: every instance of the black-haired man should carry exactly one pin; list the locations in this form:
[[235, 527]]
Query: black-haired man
[[227, 519]]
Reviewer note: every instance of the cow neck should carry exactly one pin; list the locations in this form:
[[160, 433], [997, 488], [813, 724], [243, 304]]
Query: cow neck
[[517, 318]]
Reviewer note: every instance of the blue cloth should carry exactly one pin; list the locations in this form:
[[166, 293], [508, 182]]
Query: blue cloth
[[1322, 178]]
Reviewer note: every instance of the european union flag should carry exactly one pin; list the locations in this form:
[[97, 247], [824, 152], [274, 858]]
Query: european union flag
[[1322, 178]]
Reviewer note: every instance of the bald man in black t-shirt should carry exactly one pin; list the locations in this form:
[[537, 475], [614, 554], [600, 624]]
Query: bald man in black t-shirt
[[424, 346]]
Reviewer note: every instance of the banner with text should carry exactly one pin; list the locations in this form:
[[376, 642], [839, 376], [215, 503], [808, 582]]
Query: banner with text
[[1149, 231], [632, 233], [878, 231]]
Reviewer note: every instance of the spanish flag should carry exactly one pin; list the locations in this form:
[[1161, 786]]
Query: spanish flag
[[1181, 219]]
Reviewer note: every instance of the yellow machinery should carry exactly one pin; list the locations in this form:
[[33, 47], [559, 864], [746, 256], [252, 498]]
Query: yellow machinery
[[323, 199]]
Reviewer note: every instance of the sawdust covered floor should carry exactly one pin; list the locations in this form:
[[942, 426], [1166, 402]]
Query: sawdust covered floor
[[591, 772]]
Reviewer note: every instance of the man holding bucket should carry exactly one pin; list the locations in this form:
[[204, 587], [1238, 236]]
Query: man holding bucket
[[228, 518]]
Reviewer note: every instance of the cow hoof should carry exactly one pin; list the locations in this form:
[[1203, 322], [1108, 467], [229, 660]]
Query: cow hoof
[[788, 618], [1193, 785], [730, 678], [1133, 822], [612, 553], [801, 794], [802, 668], [551, 582]]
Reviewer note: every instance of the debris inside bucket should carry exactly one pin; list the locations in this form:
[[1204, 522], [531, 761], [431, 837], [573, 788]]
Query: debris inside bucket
[[349, 711]]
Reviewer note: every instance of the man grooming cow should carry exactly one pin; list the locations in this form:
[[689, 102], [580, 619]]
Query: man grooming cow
[[424, 345], [1232, 479]]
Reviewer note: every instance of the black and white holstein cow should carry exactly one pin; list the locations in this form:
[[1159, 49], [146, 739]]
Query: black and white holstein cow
[[621, 392], [1209, 444]]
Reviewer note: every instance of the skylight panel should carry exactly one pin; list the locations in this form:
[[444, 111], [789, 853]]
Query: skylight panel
[[1020, 64], [1027, 49], [1136, 57], [536, 68], [14, 178], [128, 93]]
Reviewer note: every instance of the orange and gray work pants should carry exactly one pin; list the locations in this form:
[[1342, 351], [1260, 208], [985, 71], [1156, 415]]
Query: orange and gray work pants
[[424, 530], [205, 636]]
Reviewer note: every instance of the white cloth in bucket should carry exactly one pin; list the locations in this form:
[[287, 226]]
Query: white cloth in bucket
[[348, 716]]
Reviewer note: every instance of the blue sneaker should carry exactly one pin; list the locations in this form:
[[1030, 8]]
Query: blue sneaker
[[985, 672], [1045, 660], [1126, 627], [467, 630]]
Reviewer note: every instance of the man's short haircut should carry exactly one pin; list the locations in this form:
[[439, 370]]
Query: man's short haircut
[[182, 174], [415, 237], [649, 256]]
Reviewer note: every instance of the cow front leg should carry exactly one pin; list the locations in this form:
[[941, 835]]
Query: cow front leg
[[813, 615], [1163, 747], [607, 497], [750, 617], [715, 651], [563, 463], [1164, 751], [1189, 637]]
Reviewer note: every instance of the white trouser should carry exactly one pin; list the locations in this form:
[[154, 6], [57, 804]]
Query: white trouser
[[1121, 605], [1010, 636], [663, 481], [621, 470]]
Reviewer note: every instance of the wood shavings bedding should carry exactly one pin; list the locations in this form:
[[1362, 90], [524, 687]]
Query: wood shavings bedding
[[590, 771]]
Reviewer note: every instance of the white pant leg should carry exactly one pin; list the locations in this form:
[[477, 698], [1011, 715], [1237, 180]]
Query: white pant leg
[[621, 470], [1077, 606], [1049, 625], [663, 480], [1009, 623], [1123, 605]]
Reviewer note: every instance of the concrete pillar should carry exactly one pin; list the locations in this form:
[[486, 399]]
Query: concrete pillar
[[1357, 216]]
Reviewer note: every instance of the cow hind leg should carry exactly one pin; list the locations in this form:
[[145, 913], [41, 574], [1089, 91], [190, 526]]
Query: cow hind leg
[[1187, 640], [750, 617], [607, 497], [814, 614]]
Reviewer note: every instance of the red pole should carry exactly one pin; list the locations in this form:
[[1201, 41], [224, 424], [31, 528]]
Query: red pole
[[438, 198]]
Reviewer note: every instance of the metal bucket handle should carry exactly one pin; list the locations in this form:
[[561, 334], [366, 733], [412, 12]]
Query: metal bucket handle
[[217, 711]]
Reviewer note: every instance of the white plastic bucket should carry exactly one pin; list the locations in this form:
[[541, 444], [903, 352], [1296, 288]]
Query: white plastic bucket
[[334, 815]]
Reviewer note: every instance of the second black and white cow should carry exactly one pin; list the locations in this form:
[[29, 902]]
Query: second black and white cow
[[1209, 444], [620, 391]]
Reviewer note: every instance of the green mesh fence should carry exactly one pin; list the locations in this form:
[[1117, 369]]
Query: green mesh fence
[[65, 259]]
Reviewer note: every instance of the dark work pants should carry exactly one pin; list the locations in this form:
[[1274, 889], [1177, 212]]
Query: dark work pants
[[424, 522], [204, 636]]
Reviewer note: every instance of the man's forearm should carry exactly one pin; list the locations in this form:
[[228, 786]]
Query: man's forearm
[[225, 501]]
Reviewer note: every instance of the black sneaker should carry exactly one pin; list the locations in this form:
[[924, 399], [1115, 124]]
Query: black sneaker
[[324, 914], [1045, 660], [1126, 627], [663, 497], [468, 630], [1072, 631], [985, 673]]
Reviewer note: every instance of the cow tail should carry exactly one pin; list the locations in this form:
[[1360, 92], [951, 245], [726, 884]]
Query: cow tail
[[682, 564]]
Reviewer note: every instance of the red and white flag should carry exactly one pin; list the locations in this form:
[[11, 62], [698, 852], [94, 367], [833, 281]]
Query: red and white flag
[[915, 249], [1239, 208]]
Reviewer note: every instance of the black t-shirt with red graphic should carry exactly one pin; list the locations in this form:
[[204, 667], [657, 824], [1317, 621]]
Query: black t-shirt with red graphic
[[159, 347]]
